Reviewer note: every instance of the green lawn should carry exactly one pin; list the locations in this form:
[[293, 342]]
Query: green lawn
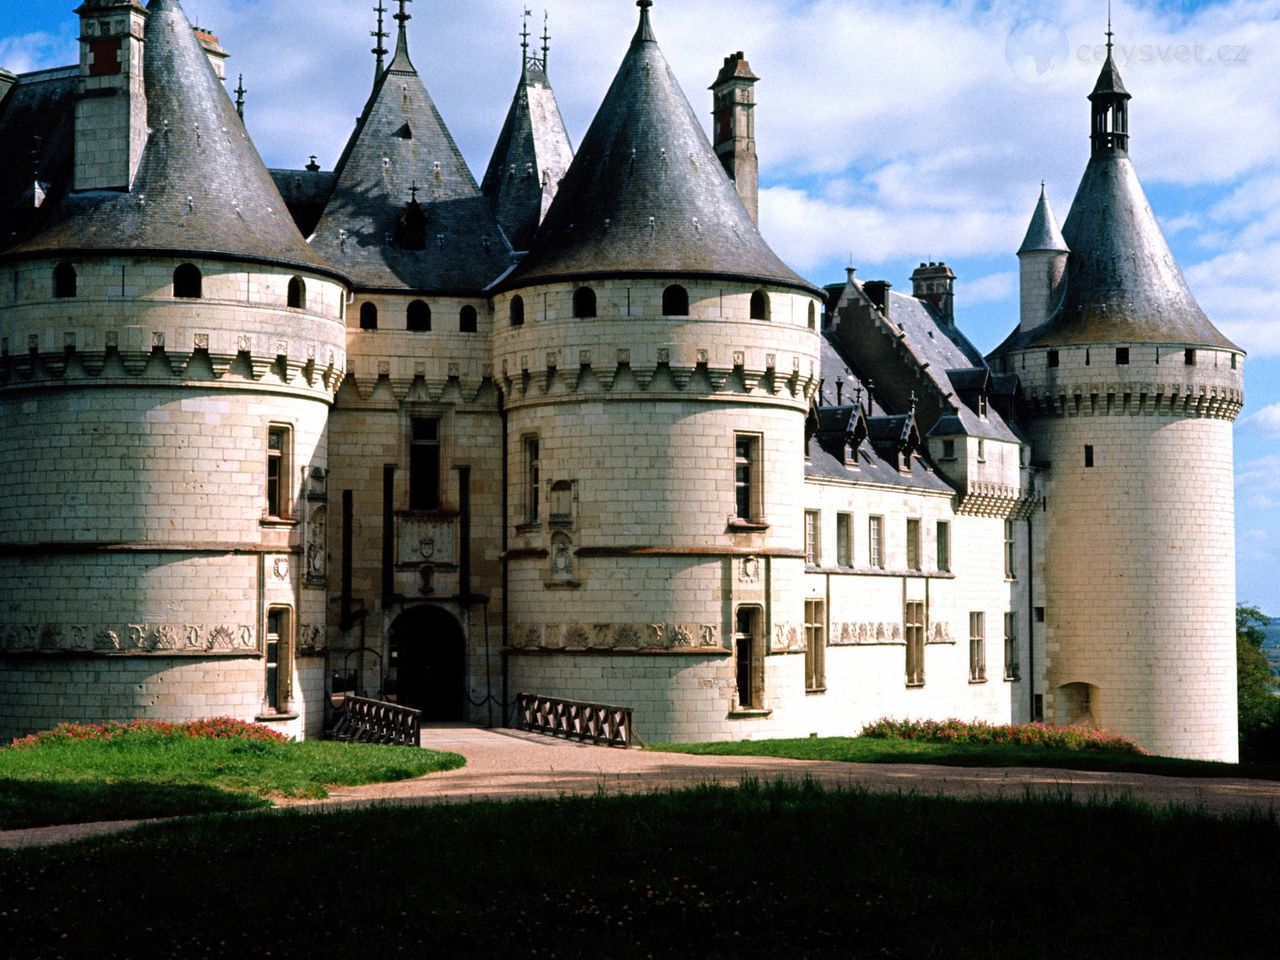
[[137, 776], [787, 871], [877, 750]]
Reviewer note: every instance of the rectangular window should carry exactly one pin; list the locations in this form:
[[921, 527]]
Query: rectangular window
[[1010, 553], [844, 539], [1012, 668], [815, 645], [1190, 357], [1039, 614], [748, 500], [977, 647], [875, 542], [532, 479], [1122, 356], [1088, 456], [277, 662], [278, 471], [982, 405], [748, 649], [944, 547], [982, 451], [1054, 358], [812, 533], [913, 628], [913, 544], [948, 449], [424, 464]]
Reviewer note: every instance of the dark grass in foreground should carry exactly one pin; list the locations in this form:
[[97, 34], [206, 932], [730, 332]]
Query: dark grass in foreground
[[134, 777], [788, 871], [878, 750]]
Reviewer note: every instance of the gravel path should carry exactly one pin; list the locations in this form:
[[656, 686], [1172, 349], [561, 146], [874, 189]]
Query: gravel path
[[503, 764]]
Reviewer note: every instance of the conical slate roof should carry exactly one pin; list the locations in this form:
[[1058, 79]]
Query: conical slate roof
[[1043, 234], [531, 158], [401, 152], [646, 194], [201, 188], [1109, 79]]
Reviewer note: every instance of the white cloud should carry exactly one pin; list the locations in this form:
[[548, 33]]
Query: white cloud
[[1266, 422]]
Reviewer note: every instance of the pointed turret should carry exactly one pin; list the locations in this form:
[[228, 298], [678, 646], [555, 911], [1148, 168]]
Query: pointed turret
[[1042, 259], [1110, 107], [402, 155], [532, 155], [646, 194], [200, 187]]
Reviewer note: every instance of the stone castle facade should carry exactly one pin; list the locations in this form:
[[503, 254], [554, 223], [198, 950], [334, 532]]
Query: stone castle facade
[[268, 437]]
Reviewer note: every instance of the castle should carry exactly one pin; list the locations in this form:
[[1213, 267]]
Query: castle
[[267, 437]]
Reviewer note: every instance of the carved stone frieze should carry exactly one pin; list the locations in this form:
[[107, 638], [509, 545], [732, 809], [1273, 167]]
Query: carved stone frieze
[[617, 636], [134, 638], [864, 634]]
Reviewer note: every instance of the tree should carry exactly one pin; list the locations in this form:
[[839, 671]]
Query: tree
[[1259, 711]]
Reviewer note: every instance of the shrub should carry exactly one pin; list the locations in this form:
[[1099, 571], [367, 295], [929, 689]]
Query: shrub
[[1022, 734], [214, 728]]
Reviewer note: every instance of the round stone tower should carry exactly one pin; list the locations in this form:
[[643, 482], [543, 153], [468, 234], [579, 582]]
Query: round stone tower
[[169, 348], [656, 361], [1131, 393]]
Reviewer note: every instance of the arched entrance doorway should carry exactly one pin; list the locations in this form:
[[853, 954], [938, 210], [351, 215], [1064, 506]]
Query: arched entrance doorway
[[428, 663]]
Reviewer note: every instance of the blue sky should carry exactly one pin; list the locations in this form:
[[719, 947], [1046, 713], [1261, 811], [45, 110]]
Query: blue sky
[[890, 132]]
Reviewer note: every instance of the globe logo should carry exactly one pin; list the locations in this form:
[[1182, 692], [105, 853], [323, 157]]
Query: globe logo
[[1037, 50]]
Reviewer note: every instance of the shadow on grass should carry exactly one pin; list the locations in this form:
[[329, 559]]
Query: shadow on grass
[[32, 803]]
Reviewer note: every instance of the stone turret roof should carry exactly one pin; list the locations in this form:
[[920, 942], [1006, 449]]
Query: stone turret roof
[[1123, 284], [531, 158], [402, 149], [1043, 234], [201, 188], [646, 194]]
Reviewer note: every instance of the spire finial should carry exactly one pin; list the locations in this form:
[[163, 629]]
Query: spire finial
[[380, 37], [645, 31], [1110, 33], [240, 92], [413, 192], [546, 38], [524, 32]]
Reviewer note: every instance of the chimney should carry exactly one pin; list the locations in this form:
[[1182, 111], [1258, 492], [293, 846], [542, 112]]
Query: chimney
[[877, 292], [734, 121], [214, 51], [111, 99], [935, 283]]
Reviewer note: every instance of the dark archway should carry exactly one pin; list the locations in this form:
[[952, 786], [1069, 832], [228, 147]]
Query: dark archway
[[428, 663]]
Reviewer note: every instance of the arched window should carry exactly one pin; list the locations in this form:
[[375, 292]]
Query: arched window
[[517, 311], [813, 317], [297, 293], [188, 282], [759, 305], [675, 301], [418, 317], [368, 316], [468, 320], [584, 303], [64, 281]]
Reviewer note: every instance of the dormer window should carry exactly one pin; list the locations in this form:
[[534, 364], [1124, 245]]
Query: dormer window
[[64, 281], [188, 282]]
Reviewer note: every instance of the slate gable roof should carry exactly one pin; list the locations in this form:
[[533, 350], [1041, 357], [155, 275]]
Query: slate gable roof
[[37, 126], [532, 155], [401, 143], [646, 194], [201, 188]]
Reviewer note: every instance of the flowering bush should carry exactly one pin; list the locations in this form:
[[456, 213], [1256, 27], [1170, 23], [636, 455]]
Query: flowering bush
[[214, 728], [1022, 734]]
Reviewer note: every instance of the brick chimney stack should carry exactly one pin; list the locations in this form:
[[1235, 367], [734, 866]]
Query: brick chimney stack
[[935, 283], [735, 129], [111, 100]]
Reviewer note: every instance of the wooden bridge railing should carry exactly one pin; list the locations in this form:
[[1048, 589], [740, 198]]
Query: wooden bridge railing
[[373, 721], [595, 722]]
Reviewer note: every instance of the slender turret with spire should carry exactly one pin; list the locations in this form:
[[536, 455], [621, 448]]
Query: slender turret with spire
[[533, 151]]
